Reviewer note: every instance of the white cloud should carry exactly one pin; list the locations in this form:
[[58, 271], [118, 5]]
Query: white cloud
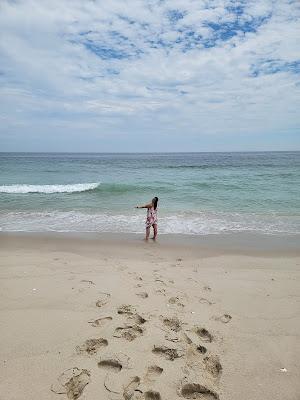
[[217, 67]]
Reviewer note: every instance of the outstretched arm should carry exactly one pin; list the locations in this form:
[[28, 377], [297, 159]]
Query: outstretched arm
[[145, 206]]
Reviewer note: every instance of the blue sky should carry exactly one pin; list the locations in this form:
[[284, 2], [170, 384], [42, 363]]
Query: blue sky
[[152, 75]]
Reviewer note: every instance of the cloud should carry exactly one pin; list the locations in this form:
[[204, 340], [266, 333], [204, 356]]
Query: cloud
[[178, 69]]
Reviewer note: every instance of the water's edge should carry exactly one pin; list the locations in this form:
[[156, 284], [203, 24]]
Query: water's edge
[[206, 245]]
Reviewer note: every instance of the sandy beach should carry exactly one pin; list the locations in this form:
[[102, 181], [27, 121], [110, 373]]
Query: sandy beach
[[121, 120], [111, 317]]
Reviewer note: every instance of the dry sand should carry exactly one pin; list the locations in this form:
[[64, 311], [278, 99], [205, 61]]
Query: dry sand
[[117, 318]]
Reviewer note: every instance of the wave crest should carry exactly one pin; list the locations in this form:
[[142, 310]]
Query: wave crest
[[71, 188]]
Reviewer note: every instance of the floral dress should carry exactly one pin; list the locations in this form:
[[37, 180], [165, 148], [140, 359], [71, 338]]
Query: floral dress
[[151, 217]]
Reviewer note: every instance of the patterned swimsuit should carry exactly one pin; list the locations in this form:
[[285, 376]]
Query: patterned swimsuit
[[151, 217]]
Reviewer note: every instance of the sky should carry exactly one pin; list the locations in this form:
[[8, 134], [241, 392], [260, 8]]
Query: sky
[[149, 75]]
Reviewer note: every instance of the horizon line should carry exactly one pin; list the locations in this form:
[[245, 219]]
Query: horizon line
[[149, 152]]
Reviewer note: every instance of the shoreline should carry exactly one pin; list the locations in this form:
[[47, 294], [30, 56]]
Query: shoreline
[[243, 243]]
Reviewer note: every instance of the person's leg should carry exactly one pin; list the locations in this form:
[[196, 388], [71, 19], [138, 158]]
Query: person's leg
[[155, 231], [147, 232]]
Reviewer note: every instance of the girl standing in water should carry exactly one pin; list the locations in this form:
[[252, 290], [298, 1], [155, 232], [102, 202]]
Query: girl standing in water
[[151, 219]]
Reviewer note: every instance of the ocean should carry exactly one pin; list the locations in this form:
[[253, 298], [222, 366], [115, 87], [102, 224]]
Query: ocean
[[199, 193]]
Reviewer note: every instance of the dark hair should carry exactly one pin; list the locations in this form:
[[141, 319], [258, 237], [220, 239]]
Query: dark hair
[[154, 202]]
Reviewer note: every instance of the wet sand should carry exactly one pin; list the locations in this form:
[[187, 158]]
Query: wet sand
[[111, 317]]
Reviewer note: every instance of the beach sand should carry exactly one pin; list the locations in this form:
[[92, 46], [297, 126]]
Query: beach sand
[[112, 317]]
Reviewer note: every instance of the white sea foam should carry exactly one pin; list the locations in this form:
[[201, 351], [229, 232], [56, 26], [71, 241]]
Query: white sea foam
[[72, 188], [186, 223]]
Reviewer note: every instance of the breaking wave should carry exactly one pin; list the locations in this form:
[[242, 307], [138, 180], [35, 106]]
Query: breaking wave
[[72, 188]]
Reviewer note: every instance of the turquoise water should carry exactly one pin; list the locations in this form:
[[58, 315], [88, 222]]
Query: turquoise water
[[199, 193]]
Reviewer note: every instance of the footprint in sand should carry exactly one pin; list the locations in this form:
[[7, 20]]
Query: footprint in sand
[[143, 295], [191, 337], [189, 340], [132, 316], [126, 309], [153, 372], [138, 278], [118, 373], [137, 318], [167, 352], [159, 279], [196, 391], [100, 321], [114, 362], [204, 334], [103, 299], [225, 318], [161, 291], [92, 346], [213, 365], [128, 332], [138, 394], [72, 383], [110, 364], [87, 281], [172, 323], [152, 395], [115, 381], [176, 301], [201, 349], [132, 388], [172, 337], [203, 300]]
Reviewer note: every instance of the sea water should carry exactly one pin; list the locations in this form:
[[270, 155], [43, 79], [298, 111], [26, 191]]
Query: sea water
[[199, 193]]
